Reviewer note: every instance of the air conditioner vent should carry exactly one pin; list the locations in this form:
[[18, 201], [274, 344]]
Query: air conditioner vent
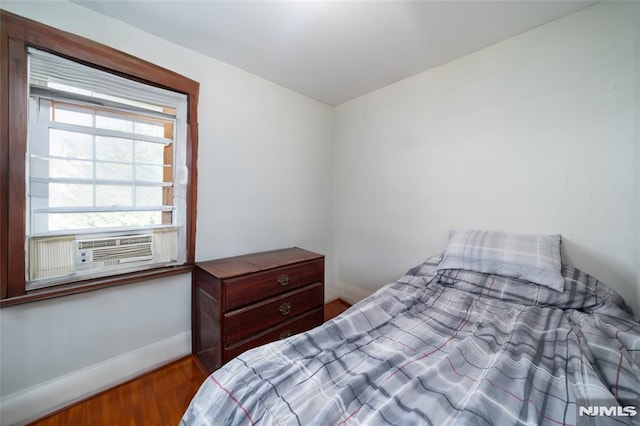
[[108, 252], [122, 252]]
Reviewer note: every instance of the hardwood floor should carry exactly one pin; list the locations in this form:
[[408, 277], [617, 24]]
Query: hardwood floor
[[335, 308], [156, 399]]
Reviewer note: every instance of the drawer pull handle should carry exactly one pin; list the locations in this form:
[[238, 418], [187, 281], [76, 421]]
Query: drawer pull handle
[[285, 308], [283, 280], [285, 334]]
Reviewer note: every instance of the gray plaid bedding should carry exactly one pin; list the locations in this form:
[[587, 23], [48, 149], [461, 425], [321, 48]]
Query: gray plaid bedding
[[454, 347]]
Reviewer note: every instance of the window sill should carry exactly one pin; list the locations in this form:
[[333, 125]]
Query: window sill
[[94, 284]]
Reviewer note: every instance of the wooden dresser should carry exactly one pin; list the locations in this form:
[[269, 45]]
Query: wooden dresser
[[245, 301]]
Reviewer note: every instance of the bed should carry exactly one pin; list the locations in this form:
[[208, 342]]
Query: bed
[[450, 342]]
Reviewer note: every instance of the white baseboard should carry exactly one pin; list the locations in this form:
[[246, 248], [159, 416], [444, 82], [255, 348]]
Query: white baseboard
[[36, 401]]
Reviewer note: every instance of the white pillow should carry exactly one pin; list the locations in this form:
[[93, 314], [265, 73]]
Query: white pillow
[[534, 258]]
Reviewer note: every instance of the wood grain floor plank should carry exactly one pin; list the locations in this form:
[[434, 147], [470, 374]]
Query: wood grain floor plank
[[335, 308], [155, 399]]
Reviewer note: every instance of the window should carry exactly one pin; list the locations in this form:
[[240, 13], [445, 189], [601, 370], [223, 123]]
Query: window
[[103, 153], [97, 175]]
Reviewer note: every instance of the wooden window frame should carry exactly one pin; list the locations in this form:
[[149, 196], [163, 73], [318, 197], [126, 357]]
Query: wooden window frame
[[16, 35]]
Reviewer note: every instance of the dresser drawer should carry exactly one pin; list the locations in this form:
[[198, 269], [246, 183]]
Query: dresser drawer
[[288, 328], [253, 319], [243, 290]]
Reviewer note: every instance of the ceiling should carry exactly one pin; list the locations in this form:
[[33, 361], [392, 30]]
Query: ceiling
[[334, 51]]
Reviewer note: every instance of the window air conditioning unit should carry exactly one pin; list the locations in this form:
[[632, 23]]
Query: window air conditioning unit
[[60, 256]]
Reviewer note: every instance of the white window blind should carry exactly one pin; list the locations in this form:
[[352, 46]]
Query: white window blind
[[106, 158], [68, 78]]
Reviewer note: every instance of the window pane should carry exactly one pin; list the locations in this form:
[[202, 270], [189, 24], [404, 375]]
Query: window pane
[[114, 171], [148, 196], [70, 169], [114, 123], [113, 195], [149, 173], [70, 144], [70, 195], [149, 152], [72, 117], [62, 221], [114, 149], [149, 129]]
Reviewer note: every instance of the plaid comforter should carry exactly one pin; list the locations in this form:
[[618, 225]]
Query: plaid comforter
[[454, 347]]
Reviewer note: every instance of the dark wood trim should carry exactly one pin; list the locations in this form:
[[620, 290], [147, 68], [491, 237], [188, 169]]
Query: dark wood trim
[[192, 191], [4, 161], [18, 33], [95, 284], [18, 87]]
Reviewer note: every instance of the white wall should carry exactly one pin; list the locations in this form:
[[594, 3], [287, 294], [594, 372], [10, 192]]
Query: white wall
[[264, 182], [536, 134], [264, 171]]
